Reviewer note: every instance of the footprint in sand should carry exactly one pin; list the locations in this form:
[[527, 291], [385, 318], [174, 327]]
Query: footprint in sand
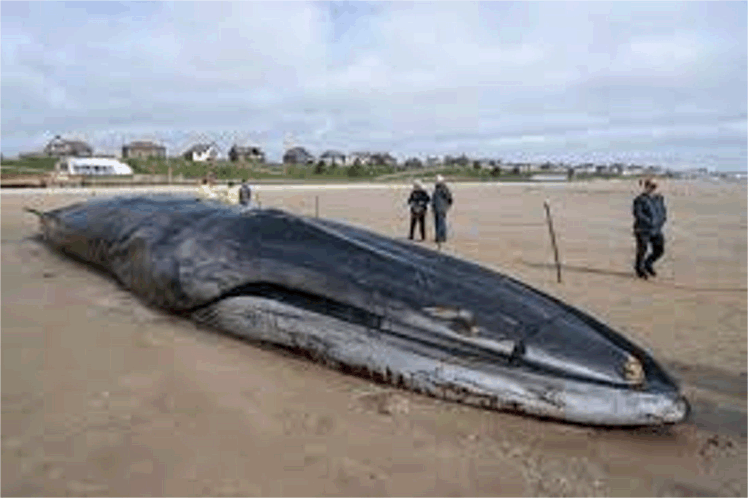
[[385, 403]]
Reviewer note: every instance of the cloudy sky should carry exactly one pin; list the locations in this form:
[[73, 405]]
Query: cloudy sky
[[649, 83]]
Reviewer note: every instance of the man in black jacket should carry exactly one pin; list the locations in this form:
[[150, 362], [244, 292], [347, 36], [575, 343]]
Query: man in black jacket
[[650, 215], [245, 194], [419, 204]]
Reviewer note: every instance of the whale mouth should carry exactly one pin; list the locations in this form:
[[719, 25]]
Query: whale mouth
[[447, 329], [303, 300], [428, 362]]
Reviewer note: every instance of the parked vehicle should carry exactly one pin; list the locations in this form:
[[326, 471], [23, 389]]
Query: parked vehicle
[[92, 166]]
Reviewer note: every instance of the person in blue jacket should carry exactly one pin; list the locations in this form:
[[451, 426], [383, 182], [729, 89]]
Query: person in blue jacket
[[650, 215]]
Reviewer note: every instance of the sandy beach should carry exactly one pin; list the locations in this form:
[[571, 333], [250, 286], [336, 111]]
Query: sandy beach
[[102, 395]]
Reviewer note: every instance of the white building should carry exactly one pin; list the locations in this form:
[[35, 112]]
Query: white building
[[333, 157], [364, 158], [633, 171], [201, 153], [587, 169], [433, 161], [92, 166]]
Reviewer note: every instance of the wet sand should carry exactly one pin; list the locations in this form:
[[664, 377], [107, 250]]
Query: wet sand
[[102, 395]]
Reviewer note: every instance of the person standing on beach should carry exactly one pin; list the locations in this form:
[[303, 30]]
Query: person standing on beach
[[207, 190], [245, 194], [441, 201], [419, 204], [231, 194], [650, 215]]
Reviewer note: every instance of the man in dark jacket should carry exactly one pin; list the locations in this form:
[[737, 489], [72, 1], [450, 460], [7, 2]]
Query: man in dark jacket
[[419, 204], [245, 194], [649, 217], [441, 202]]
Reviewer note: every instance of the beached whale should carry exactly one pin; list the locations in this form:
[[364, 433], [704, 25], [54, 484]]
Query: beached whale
[[405, 314]]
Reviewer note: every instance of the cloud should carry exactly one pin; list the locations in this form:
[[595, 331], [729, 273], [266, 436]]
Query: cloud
[[660, 80]]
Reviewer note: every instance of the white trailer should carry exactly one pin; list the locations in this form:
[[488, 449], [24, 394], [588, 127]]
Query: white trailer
[[92, 166]]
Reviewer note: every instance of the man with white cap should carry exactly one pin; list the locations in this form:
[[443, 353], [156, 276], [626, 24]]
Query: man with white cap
[[207, 189], [419, 204], [441, 201]]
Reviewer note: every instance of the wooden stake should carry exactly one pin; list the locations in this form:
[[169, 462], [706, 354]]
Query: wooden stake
[[34, 211], [316, 206], [553, 239]]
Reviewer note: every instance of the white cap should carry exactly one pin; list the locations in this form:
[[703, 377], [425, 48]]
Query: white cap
[[439, 179]]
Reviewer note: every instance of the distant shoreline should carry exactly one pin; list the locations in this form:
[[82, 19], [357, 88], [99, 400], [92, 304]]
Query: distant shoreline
[[280, 186]]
